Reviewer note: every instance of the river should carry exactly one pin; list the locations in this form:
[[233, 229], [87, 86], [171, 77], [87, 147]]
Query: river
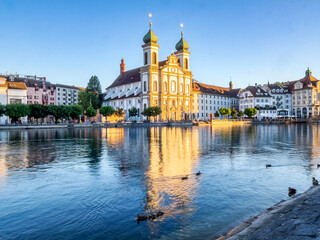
[[92, 183]]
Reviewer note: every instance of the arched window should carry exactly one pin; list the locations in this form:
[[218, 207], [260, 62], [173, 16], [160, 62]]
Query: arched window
[[165, 86], [145, 58], [187, 88], [186, 63], [181, 87], [144, 106], [154, 58], [155, 86], [144, 86], [173, 86]]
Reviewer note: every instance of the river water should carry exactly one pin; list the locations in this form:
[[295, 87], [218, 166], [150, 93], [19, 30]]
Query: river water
[[92, 183]]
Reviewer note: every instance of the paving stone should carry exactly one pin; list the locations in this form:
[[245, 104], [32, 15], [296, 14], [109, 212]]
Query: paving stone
[[306, 230]]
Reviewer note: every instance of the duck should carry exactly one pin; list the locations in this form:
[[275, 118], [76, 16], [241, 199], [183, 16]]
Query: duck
[[142, 218], [268, 165], [198, 173], [184, 178], [315, 181], [292, 191]]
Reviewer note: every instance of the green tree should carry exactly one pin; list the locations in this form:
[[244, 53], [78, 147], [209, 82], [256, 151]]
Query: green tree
[[133, 112], [38, 111], [216, 114], [107, 111], [250, 112], [59, 112], [119, 112], [224, 111], [240, 114], [233, 113], [76, 111], [87, 99], [94, 84], [90, 112], [17, 110], [152, 111], [2, 109]]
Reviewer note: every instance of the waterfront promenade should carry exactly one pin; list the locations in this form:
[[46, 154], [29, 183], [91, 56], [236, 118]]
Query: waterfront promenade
[[295, 218]]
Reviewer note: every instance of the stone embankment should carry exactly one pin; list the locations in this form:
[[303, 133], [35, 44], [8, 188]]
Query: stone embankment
[[295, 218]]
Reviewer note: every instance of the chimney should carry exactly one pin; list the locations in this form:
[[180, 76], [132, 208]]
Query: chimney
[[122, 66]]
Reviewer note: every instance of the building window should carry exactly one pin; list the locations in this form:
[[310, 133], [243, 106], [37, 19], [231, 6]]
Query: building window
[[154, 58], [145, 58], [145, 86], [187, 88], [186, 63], [181, 87], [165, 86], [155, 86], [173, 86]]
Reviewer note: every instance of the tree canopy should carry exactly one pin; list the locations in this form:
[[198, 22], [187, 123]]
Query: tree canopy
[[94, 84], [87, 99], [107, 111], [233, 113], [90, 112], [216, 114], [240, 113], [38, 111], [2, 109], [119, 112], [17, 110], [152, 111], [224, 111], [76, 111], [133, 112], [250, 112]]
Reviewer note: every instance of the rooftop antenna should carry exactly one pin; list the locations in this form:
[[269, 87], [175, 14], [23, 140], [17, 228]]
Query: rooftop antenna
[[150, 23]]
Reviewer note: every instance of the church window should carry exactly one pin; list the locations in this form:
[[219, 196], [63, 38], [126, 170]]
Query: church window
[[144, 106], [145, 86], [181, 87], [155, 86], [165, 86], [154, 58], [145, 58], [186, 63], [173, 86]]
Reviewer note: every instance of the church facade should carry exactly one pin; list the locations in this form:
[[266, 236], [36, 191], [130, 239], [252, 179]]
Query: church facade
[[167, 84]]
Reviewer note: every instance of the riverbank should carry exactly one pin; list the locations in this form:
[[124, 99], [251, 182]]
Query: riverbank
[[295, 218]]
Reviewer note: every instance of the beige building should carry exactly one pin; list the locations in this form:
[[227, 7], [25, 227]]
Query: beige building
[[167, 84], [305, 96]]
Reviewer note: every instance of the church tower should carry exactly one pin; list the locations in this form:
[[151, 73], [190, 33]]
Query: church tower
[[182, 52], [150, 86]]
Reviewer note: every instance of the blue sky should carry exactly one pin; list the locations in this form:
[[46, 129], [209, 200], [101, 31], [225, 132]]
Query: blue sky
[[70, 40]]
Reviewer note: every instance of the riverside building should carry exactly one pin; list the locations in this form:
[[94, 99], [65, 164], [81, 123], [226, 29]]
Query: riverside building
[[305, 96], [67, 95], [167, 84]]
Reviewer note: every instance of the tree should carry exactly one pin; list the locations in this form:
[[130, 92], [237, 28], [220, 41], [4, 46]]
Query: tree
[[94, 84], [76, 111], [240, 113], [2, 109], [224, 111], [59, 112], [152, 111], [17, 110], [119, 112], [90, 112], [216, 114], [133, 112], [233, 113], [87, 99], [38, 111], [107, 111], [250, 112]]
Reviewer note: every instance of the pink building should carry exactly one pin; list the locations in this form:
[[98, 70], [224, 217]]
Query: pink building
[[38, 89]]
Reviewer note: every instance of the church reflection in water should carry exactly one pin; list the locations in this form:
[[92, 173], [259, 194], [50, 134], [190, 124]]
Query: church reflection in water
[[164, 155]]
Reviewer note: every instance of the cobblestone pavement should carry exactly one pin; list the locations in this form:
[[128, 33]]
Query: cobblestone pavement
[[297, 218]]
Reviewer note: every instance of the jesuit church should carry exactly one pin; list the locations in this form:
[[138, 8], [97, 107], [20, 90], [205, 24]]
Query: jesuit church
[[167, 84]]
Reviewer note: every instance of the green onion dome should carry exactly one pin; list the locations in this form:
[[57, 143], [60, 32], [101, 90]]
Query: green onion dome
[[150, 37], [182, 44]]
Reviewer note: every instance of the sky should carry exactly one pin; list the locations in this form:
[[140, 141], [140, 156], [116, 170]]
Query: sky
[[251, 41]]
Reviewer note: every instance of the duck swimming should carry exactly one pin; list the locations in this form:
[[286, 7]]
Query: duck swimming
[[292, 191], [184, 178], [268, 165], [315, 181], [198, 173]]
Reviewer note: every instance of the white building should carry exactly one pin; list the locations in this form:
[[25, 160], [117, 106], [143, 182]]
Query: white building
[[10, 93], [211, 98], [305, 96], [67, 95]]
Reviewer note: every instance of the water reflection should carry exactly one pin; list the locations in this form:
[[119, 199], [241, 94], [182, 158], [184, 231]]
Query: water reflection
[[98, 180]]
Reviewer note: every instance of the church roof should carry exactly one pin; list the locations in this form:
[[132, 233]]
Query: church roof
[[210, 89], [257, 91], [306, 81], [127, 77]]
